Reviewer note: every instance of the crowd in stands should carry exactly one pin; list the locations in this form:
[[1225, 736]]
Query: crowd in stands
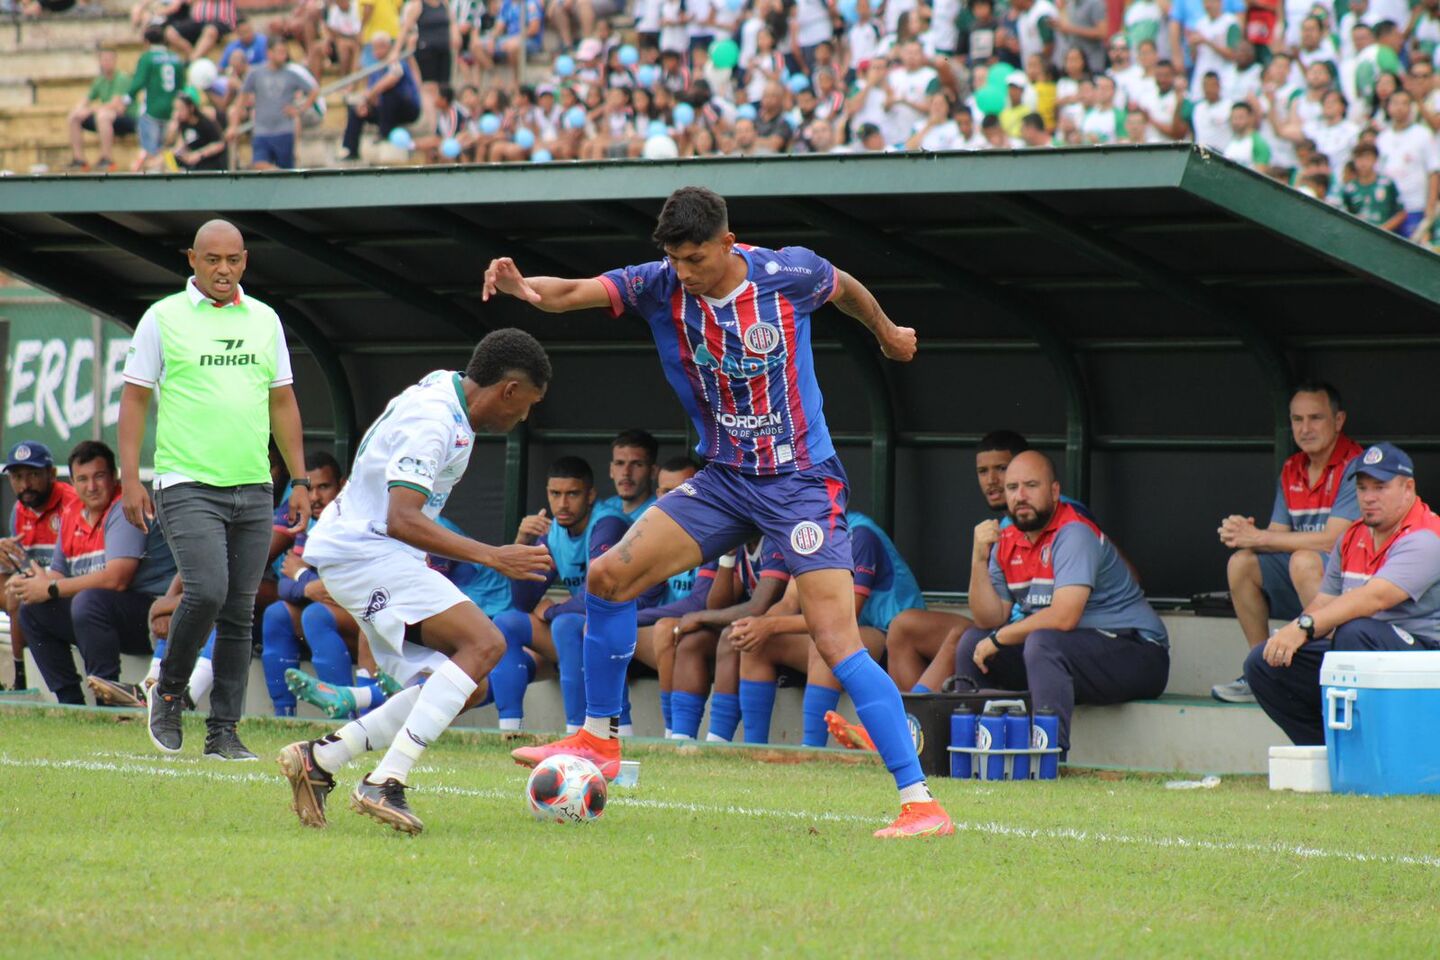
[[1338, 101], [1350, 559]]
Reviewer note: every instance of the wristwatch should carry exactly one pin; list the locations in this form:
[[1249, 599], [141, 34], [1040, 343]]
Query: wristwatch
[[300, 482], [53, 589], [1307, 623], [994, 638]]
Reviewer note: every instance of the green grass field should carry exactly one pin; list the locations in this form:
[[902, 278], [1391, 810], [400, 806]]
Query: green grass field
[[113, 850]]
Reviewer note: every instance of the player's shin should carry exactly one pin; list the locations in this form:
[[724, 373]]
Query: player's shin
[[374, 731], [757, 705], [818, 701], [609, 644], [878, 704], [568, 631], [439, 703]]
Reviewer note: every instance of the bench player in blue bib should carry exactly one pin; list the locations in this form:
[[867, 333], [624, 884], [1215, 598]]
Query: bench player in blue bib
[[732, 325]]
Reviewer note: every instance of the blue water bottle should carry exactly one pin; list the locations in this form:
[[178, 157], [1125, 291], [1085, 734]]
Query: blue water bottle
[[962, 734], [1045, 735], [990, 735], [1017, 737]]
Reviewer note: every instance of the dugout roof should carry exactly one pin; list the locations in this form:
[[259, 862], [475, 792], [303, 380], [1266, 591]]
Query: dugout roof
[[1041, 250]]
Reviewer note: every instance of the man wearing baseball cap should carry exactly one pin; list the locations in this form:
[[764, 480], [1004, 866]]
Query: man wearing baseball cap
[[1381, 592], [40, 500]]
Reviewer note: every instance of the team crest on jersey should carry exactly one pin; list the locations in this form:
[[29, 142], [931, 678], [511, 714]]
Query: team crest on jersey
[[379, 600], [55, 523], [806, 537], [762, 338], [1045, 555], [461, 442], [772, 268], [687, 488]]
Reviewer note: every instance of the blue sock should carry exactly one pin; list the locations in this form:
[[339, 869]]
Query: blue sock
[[568, 632], [724, 715], [609, 645], [516, 667], [921, 688], [159, 653], [207, 652], [817, 701], [686, 711], [377, 692], [757, 703], [666, 710], [328, 653], [281, 652], [877, 702], [625, 707]]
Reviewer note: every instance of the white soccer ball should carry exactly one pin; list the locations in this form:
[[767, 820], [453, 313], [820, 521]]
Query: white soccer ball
[[201, 74], [566, 789]]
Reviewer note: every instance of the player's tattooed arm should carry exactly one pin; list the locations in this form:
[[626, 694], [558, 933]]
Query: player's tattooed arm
[[853, 299]]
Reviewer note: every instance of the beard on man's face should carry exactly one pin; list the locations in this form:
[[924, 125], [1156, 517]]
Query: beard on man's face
[[1033, 521]]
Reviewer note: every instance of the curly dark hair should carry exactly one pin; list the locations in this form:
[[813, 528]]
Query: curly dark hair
[[508, 351], [691, 215]]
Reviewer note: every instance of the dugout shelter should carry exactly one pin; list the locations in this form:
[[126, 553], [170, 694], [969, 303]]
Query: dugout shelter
[[1139, 312]]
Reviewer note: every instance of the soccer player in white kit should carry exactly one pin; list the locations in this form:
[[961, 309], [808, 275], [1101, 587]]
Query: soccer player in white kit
[[369, 549]]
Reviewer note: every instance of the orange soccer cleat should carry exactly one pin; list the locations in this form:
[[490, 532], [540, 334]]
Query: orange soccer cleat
[[927, 819], [849, 735], [605, 754]]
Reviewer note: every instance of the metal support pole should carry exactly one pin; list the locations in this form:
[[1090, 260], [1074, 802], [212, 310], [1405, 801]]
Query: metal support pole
[[517, 477]]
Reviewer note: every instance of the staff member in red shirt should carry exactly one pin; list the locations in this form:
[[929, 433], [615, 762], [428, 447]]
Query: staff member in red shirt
[[104, 574], [40, 499]]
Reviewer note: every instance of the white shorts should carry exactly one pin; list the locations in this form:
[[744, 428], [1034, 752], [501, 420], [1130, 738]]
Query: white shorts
[[385, 592]]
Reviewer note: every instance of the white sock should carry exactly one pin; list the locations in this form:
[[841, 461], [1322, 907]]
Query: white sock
[[362, 674], [916, 793], [202, 678], [668, 733], [363, 696], [373, 731], [572, 728], [509, 723], [672, 735], [598, 727], [715, 738], [627, 730], [154, 672], [441, 699]]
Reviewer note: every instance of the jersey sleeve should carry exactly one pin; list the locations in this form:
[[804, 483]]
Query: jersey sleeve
[[1078, 553], [1413, 564], [638, 288], [525, 594], [145, 361], [607, 532], [283, 374], [1334, 583], [868, 555], [58, 563], [1280, 513], [808, 280], [418, 458], [1347, 501], [122, 538], [997, 578], [15, 519]]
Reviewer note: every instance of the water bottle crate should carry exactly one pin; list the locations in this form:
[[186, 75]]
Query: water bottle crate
[[980, 766]]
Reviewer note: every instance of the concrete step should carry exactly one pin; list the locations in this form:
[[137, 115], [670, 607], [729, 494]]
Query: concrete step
[[54, 154], [50, 33], [67, 61]]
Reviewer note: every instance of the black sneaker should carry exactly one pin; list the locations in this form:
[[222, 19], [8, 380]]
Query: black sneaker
[[385, 802], [224, 744], [310, 783], [163, 720]]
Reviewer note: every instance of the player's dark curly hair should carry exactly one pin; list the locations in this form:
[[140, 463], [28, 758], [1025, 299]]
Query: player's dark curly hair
[[571, 468], [691, 215], [506, 351]]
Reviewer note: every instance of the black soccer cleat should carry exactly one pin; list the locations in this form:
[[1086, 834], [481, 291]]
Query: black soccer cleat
[[385, 802]]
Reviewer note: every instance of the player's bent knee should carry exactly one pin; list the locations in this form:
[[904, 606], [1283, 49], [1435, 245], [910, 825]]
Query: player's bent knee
[[1306, 564], [1243, 565], [609, 579]]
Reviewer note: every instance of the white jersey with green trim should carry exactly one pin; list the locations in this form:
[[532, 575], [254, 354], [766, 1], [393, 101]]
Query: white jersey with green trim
[[422, 441]]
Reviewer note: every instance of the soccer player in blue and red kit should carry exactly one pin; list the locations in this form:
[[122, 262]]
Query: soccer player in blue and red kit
[[732, 324]]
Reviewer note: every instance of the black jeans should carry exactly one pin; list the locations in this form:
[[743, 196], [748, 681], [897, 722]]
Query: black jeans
[[102, 623], [394, 110], [220, 537]]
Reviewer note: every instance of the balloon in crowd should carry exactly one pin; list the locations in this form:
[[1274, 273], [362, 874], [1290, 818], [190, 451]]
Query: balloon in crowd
[[400, 137], [450, 147], [684, 114], [564, 65], [489, 123], [725, 54], [541, 156], [575, 118], [629, 56]]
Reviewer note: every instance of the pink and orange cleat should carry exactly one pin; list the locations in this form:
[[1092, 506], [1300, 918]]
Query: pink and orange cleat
[[605, 754], [849, 735], [927, 819]]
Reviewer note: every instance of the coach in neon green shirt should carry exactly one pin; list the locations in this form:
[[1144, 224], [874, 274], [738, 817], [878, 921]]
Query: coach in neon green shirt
[[219, 362]]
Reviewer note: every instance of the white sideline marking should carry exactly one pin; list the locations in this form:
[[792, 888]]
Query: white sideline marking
[[164, 768]]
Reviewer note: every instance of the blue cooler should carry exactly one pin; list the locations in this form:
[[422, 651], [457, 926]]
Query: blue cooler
[[1381, 713]]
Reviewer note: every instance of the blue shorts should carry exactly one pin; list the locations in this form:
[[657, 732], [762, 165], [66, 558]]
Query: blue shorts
[[152, 133], [1411, 221], [801, 513], [276, 148], [1278, 589]]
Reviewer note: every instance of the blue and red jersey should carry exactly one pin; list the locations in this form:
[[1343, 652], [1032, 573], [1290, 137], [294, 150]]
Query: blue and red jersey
[[742, 365], [38, 530], [1410, 559], [1305, 507]]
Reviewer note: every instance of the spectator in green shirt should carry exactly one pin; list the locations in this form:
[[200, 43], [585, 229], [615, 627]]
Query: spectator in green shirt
[[1371, 195], [103, 111], [160, 73]]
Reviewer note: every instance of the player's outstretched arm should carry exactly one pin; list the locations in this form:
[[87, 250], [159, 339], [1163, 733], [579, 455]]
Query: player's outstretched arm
[[405, 520], [551, 294], [852, 298]]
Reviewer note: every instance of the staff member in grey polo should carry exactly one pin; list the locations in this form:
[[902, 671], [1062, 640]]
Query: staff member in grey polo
[[219, 361]]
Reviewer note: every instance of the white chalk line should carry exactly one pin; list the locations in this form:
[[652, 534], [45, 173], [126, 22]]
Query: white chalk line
[[172, 768]]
